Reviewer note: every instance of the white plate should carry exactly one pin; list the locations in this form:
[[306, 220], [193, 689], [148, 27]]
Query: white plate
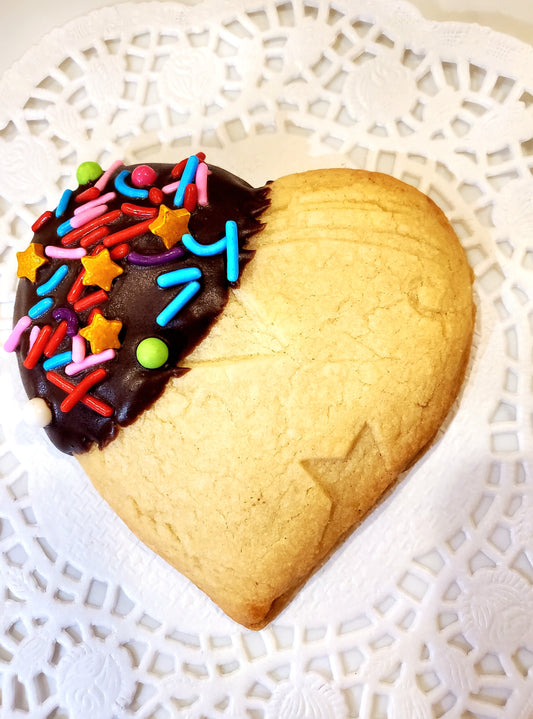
[[425, 611]]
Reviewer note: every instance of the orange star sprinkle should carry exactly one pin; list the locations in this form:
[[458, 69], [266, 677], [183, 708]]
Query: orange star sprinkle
[[170, 225], [30, 260], [102, 334], [100, 270]]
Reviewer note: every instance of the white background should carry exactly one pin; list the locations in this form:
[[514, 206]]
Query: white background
[[24, 22]]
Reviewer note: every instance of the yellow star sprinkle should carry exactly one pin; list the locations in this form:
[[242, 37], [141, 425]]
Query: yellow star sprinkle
[[100, 270], [102, 334], [170, 225], [30, 260]]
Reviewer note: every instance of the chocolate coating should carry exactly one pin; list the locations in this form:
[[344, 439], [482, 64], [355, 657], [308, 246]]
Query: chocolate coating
[[135, 299]]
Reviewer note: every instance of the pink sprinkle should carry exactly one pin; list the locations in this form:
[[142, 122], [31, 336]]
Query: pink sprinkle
[[90, 361], [63, 253], [94, 203], [84, 217], [102, 181], [171, 188], [33, 335], [78, 349], [13, 340], [201, 183]]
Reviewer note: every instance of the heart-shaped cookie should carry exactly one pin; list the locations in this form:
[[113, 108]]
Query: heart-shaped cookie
[[332, 363]]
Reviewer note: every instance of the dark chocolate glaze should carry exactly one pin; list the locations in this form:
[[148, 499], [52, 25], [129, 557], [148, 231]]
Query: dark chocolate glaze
[[135, 299]]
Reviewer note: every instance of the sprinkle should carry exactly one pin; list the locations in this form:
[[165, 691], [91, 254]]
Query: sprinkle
[[98, 222], [39, 308], [78, 348], [57, 361], [95, 404], [171, 187], [232, 251], [94, 236], [33, 335], [160, 259], [121, 186], [138, 211], [177, 170], [89, 361], [82, 388], [189, 172], [65, 313], [95, 298], [201, 183], [152, 353], [13, 340], [64, 254], [155, 195], [100, 270], [38, 347], [63, 203], [201, 156], [102, 182], [56, 338], [36, 412], [172, 309], [119, 251], [191, 197], [143, 176], [58, 276], [127, 233], [87, 172], [170, 225], [203, 250], [102, 334], [80, 220], [93, 313], [77, 288], [30, 260], [179, 277], [91, 193], [100, 200], [42, 220]]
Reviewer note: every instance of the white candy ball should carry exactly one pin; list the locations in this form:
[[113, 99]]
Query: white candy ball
[[37, 413]]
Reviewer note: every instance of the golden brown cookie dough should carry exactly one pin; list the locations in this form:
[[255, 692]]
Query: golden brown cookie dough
[[328, 373]]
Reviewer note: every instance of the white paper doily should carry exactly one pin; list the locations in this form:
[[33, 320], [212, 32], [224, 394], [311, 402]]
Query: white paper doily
[[426, 611]]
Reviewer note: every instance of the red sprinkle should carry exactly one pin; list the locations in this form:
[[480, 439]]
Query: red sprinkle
[[37, 349], [42, 220], [94, 236], [96, 311], [91, 193], [90, 300], [77, 288], [119, 251], [56, 339], [80, 232], [177, 170], [155, 195], [128, 233], [81, 389], [95, 404], [191, 197], [138, 211], [201, 156]]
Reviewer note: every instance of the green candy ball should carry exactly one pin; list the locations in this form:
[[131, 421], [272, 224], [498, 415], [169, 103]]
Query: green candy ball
[[87, 172], [152, 353]]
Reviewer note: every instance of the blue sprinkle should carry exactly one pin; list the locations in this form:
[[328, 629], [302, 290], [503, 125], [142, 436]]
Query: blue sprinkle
[[135, 193], [232, 251], [179, 277], [188, 175], [203, 250], [63, 203], [64, 228], [172, 309], [58, 276], [40, 308], [58, 360]]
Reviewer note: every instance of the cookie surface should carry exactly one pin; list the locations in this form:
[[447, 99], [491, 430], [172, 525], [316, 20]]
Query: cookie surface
[[330, 369]]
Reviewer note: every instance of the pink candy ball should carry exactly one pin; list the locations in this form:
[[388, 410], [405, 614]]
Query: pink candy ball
[[143, 175]]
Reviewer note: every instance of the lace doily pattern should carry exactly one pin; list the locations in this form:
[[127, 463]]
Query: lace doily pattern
[[426, 611]]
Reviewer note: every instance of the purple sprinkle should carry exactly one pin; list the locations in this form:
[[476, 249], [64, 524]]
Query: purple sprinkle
[[148, 260], [65, 313]]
